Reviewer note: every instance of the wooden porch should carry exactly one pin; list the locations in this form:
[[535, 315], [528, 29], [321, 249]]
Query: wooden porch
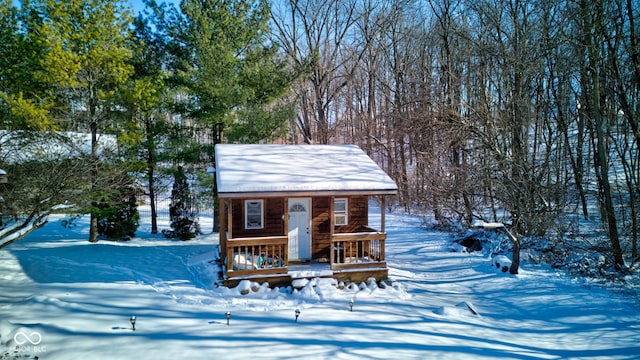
[[353, 257]]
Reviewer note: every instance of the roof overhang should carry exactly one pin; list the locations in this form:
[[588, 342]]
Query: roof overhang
[[291, 194]]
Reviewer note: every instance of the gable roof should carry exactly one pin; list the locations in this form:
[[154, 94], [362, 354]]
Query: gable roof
[[276, 170]]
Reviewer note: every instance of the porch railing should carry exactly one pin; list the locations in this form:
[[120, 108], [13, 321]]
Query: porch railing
[[358, 250], [269, 255], [257, 256]]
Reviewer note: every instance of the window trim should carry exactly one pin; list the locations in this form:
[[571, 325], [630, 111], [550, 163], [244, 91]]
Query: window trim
[[344, 212], [246, 214]]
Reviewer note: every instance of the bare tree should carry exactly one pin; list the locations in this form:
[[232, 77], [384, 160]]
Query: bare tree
[[624, 74], [511, 109], [592, 33], [47, 172], [314, 35]]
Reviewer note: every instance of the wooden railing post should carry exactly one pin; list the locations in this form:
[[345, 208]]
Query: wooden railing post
[[332, 253], [229, 258]]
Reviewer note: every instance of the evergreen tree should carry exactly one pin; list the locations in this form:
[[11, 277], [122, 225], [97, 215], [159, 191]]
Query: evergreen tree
[[119, 221], [86, 60], [224, 60], [145, 100], [183, 216], [24, 99]]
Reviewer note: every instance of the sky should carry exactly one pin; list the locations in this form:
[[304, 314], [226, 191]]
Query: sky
[[138, 5]]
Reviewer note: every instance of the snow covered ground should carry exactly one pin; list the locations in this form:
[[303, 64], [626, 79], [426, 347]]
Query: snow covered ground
[[64, 298]]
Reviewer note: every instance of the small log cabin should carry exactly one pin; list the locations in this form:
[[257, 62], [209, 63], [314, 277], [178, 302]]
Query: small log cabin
[[299, 206]]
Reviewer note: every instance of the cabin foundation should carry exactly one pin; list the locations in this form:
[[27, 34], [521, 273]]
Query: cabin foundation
[[341, 276]]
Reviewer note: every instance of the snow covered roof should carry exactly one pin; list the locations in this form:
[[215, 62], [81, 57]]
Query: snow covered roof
[[21, 146], [275, 170]]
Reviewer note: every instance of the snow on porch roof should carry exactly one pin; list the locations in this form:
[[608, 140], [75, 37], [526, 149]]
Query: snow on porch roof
[[275, 170]]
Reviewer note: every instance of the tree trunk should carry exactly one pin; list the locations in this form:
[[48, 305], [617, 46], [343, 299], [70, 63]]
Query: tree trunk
[[152, 199], [605, 185], [151, 165], [93, 228], [592, 29], [515, 262], [93, 224], [515, 251], [217, 139]]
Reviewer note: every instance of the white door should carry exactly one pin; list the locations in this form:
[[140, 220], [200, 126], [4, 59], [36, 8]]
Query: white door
[[299, 228]]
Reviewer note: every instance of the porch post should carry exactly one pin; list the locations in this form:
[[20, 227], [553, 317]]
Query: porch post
[[332, 251], [230, 218], [223, 228], [331, 216], [286, 216], [286, 227], [382, 206]]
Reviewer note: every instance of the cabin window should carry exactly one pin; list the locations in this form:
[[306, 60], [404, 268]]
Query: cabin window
[[253, 214], [340, 207]]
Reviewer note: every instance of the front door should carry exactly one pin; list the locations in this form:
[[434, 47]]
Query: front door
[[299, 226]]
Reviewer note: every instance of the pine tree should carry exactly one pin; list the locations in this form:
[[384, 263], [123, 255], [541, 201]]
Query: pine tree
[[231, 71], [184, 221], [86, 60], [24, 97], [119, 221]]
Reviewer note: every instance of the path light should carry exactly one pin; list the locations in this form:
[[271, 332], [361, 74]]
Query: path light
[[133, 323], [228, 315], [351, 305], [297, 314]]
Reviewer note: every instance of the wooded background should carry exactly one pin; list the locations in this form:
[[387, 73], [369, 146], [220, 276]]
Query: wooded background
[[481, 107]]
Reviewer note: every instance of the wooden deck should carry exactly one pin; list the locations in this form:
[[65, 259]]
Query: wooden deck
[[354, 257]]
